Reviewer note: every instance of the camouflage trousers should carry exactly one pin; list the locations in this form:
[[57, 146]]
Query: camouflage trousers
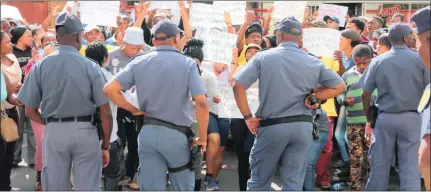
[[358, 152]]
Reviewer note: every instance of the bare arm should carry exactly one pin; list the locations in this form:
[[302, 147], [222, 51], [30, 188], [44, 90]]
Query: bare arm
[[34, 115], [228, 21], [241, 98], [202, 115], [186, 23], [366, 99], [113, 91], [106, 119], [267, 21], [327, 93], [141, 9], [249, 17]]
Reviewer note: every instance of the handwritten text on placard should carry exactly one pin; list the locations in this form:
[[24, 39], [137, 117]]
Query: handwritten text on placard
[[206, 15], [333, 10], [102, 13], [321, 41], [236, 9], [228, 107], [218, 46]]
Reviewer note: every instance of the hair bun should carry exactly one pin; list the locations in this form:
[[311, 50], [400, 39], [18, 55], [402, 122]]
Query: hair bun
[[194, 42]]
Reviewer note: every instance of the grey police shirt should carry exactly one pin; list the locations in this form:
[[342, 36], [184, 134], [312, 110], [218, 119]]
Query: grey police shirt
[[286, 75], [117, 60], [64, 84], [163, 80], [400, 78]]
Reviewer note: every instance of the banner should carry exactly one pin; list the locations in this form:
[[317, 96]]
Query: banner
[[10, 12], [103, 13], [236, 9], [228, 107], [206, 15], [218, 45], [333, 10], [321, 41]]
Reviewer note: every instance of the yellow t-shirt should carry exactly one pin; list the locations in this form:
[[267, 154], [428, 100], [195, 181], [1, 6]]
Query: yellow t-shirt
[[83, 47], [329, 106], [241, 59]]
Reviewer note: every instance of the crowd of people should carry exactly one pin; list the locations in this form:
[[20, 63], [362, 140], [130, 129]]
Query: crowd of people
[[85, 93]]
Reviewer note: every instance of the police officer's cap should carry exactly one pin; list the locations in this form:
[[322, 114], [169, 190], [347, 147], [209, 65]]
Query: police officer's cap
[[69, 23], [398, 31], [253, 28], [422, 19], [164, 30], [289, 25]]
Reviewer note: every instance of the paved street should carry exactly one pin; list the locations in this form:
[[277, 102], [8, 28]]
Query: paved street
[[23, 177]]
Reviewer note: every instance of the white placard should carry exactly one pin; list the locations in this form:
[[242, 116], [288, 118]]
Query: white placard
[[228, 107], [284, 9], [218, 46], [103, 13], [73, 5], [10, 12], [321, 41], [236, 9], [333, 10], [206, 15], [172, 6]]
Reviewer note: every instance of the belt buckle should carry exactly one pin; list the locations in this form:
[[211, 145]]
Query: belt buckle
[[59, 120], [75, 119]]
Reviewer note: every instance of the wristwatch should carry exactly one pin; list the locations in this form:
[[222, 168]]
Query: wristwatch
[[105, 148], [248, 116]]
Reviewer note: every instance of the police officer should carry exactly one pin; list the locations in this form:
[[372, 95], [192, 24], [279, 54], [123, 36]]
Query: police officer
[[285, 131], [69, 87], [400, 78], [163, 80], [422, 21]]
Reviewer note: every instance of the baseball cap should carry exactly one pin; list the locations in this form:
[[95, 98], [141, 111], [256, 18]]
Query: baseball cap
[[162, 15], [289, 25], [167, 28], [398, 31], [333, 18], [350, 34], [70, 22], [14, 21], [134, 36], [253, 28], [422, 19], [318, 24], [89, 28], [252, 45]]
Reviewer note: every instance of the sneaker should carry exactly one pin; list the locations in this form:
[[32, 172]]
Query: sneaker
[[325, 185], [38, 186], [340, 164], [133, 186], [210, 184], [341, 172]]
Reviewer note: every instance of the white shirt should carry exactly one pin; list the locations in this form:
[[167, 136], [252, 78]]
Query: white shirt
[[210, 84], [114, 135], [14, 74]]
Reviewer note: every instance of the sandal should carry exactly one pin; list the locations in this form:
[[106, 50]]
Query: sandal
[[38, 186]]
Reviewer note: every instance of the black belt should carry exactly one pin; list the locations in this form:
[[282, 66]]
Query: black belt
[[290, 119], [88, 118], [407, 111], [153, 121]]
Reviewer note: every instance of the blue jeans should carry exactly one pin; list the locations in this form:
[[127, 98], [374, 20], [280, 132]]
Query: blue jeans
[[316, 147], [340, 134]]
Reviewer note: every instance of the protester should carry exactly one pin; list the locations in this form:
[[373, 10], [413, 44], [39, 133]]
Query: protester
[[357, 25], [374, 24], [398, 18], [248, 33], [383, 44], [270, 41], [332, 22], [5, 26]]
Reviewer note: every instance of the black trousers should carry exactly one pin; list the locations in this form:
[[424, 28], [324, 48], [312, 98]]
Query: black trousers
[[129, 137], [6, 156], [243, 141]]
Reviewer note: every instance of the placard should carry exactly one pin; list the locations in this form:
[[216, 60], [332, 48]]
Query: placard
[[333, 10], [228, 107], [172, 6], [284, 9], [206, 15], [73, 5], [218, 46], [103, 13], [321, 41], [236, 9], [10, 12]]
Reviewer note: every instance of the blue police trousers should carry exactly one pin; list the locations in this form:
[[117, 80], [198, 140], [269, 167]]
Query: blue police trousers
[[159, 148], [401, 130], [285, 145], [67, 143]]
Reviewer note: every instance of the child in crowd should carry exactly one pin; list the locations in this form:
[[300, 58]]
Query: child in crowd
[[356, 118]]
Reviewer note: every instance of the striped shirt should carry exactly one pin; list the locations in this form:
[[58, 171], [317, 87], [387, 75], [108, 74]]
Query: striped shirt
[[355, 113]]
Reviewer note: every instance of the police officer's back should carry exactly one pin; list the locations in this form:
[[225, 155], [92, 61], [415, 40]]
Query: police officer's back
[[68, 87], [400, 78], [286, 76], [164, 79]]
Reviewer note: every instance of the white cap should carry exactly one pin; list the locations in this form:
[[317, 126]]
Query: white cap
[[89, 28], [134, 36]]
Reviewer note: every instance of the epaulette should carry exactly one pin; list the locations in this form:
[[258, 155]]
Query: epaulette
[[312, 55]]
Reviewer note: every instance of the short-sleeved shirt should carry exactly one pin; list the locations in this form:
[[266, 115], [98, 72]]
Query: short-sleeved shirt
[[424, 108], [329, 106], [117, 60], [348, 62], [64, 84], [286, 75], [23, 56], [163, 79], [400, 78], [83, 47]]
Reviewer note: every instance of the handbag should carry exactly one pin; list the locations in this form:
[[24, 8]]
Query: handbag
[[9, 129]]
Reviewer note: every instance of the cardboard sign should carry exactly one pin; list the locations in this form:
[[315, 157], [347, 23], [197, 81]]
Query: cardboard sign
[[333, 10], [284, 9], [321, 41], [10, 12], [218, 45], [228, 107], [236, 9], [206, 15], [103, 13]]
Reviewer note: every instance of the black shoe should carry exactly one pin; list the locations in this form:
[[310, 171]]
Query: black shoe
[[31, 165], [340, 164]]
